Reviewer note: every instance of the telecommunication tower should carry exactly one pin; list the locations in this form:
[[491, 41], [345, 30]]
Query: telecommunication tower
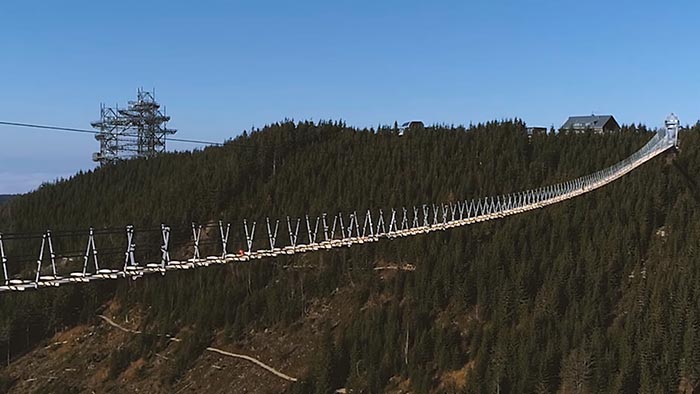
[[138, 131]]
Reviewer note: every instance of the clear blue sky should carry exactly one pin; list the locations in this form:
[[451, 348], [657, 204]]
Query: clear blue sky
[[222, 67]]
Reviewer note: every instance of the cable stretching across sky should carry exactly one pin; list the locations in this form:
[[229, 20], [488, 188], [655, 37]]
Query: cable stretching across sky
[[93, 132], [308, 233]]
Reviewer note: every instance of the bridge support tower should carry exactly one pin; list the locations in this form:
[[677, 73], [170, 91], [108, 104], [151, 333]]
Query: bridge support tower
[[672, 124]]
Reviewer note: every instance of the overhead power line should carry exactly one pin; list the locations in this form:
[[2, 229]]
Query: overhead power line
[[93, 132]]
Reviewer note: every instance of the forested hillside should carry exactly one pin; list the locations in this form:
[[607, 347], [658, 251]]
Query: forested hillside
[[596, 294], [5, 198]]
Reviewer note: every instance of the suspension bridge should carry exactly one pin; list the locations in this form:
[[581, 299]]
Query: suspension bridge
[[303, 235]]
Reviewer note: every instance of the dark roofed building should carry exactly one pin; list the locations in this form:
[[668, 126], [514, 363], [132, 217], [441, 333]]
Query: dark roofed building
[[411, 126], [597, 123], [535, 130]]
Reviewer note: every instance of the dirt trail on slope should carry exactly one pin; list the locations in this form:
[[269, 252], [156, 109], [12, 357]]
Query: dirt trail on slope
[[211, 349]]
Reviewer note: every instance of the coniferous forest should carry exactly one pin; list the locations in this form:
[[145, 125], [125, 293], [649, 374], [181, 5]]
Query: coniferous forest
[[595, 294], [5, 198]]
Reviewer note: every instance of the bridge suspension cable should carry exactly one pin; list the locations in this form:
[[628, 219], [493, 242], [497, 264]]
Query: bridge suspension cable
[[85, 131]]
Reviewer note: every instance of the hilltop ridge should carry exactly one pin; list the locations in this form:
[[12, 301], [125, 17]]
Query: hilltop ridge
[[543, 293]]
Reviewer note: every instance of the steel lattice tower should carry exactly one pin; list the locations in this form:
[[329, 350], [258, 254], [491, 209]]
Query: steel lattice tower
[[138, 131]]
